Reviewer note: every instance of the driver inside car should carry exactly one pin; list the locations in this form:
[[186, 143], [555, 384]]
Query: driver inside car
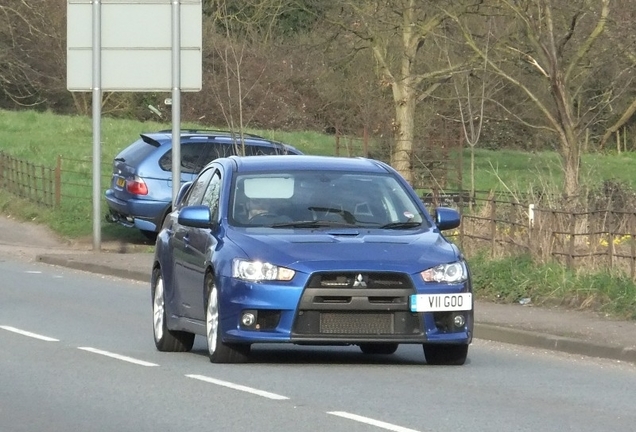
[[259, 207], [265, 212]]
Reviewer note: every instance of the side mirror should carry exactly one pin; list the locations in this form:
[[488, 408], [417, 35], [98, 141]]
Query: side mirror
[[447, 218], [195, 216]]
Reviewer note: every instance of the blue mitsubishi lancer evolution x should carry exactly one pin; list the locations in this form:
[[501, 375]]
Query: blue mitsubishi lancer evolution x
[[309, 250]]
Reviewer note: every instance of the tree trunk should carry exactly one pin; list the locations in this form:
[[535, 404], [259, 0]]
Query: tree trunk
[[403, 130], [571, 157], [570, 146]]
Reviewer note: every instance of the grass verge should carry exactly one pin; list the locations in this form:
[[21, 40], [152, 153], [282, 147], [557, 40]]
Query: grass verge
[[520, 279], [41, 137]]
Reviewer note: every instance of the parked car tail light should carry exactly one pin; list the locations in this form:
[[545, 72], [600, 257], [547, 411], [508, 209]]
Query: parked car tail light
[[137, 186]]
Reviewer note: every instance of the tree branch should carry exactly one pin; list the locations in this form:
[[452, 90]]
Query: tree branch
[[621, 121], [584, 48], [566, 38]]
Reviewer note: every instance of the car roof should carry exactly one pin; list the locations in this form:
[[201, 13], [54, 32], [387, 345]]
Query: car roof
[[165, 137], [246, 164]]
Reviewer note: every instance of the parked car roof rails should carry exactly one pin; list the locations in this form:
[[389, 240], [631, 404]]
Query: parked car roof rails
[[216, 131]]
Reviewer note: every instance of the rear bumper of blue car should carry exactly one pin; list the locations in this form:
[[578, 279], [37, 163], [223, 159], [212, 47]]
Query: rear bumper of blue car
[[141, 214]]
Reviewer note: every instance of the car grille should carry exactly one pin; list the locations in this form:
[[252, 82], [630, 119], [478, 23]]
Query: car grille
[[356, 323], [363, 304], [370, 280]]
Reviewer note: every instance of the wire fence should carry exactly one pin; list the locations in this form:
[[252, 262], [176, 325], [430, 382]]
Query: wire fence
[[500, 224], [37, 183], [67, 179], [581, 240]]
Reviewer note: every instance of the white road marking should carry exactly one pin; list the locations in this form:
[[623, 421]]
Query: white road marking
[[29, 334], [372, 422], [33, 272], [238, 387], [118, 356]]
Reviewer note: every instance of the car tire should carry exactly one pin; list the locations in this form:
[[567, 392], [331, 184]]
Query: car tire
[[445, 354], [378, 348], [166, 339], [219, 351], [150, 235]]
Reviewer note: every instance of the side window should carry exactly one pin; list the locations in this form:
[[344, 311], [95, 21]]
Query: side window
[[195, 156], [212, 194], [254, 150], [195, 195], [219, 150]]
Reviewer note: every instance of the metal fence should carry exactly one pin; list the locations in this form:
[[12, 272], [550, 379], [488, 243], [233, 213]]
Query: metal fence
[[500, 224], [37, 183], [66, 179], [580, 240]]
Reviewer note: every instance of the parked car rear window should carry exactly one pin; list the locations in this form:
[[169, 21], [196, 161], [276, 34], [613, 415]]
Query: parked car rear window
[[194, 156], [134, 154]]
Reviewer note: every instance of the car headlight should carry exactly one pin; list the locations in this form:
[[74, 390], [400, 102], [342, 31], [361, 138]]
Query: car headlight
[[446, 273], [258, 271]]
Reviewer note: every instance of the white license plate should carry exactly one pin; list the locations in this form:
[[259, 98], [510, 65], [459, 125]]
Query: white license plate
[[441, 302]]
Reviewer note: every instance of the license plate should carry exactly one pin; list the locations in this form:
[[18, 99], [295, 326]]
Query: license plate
[[441, 302], [121, 182]]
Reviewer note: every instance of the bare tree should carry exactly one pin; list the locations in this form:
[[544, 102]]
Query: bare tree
[[547, 52], [19, 80], [623, 44], [399, 34], [472, 117], [234, 31]]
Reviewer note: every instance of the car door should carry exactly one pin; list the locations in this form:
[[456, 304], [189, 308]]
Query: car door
[[180, 246], [200, 245]]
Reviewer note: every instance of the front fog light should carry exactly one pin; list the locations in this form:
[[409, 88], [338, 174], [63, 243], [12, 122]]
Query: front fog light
[[248, 319], [459, 321]]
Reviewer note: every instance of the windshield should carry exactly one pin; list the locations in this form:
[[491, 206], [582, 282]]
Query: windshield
[[323, 199]]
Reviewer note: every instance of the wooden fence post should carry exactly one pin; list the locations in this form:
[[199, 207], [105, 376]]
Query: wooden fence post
[[58, 181], [570, 261], [493, 226], [43, 176], [610, 240], [632, 234], [33, 181], [21, 180], [2, 180]]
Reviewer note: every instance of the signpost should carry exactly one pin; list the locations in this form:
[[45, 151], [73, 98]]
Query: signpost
[[136, 46]]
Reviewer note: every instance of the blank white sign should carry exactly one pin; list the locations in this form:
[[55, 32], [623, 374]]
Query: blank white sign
[[136, 45]]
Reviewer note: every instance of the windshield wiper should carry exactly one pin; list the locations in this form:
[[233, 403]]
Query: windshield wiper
[[401, 225]]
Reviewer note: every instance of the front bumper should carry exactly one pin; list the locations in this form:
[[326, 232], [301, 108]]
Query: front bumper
[[310, 314]]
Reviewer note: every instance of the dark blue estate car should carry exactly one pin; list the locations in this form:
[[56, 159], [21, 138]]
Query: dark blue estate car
[[309, 250], [140, 193]]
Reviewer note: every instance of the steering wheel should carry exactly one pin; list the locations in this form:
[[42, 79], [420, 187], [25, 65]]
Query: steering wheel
[[262, 218]]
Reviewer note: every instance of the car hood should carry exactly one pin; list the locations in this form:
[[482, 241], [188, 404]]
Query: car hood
[[349, 249]]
